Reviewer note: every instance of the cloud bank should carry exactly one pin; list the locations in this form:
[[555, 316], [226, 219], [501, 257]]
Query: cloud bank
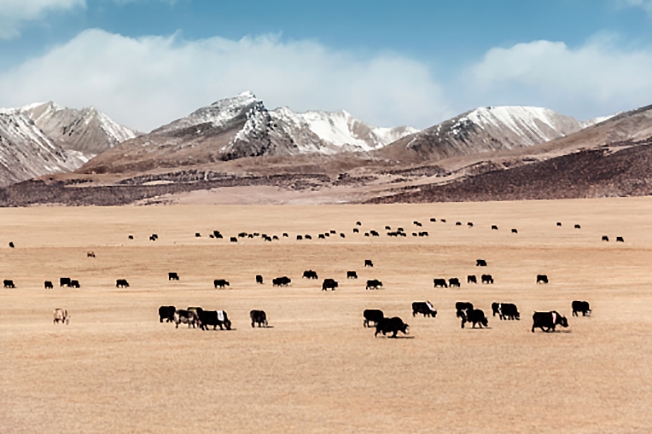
[[145, 82], [149, 81], [594, 79]]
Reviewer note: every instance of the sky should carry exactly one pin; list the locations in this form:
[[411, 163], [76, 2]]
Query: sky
[[388, 63]]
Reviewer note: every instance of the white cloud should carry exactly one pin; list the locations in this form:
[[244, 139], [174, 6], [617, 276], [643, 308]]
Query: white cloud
[[594, 79], [13, 13], [645, 4], [149, 81]]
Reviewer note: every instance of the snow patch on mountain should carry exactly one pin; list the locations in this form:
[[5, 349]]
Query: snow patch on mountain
[[65, 125], [26, 152], [532, 125], [336, 130], [218, 115]]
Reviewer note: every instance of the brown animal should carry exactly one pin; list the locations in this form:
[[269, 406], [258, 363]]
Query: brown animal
[[60, 316]]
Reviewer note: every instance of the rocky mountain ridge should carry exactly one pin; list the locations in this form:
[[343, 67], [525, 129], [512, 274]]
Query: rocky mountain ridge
[[241, 127], [46, 138], [485, 129]]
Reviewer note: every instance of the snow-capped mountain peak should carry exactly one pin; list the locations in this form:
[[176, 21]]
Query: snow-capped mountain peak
[[482, 130], [219, 114], [88, 130], [43, 138], [532, 125]]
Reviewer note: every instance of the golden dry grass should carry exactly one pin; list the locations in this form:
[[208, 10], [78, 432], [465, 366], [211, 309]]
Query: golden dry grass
[[115, 368]]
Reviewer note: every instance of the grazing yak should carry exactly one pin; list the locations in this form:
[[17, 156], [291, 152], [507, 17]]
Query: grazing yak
[[480, 263], [48, 285], [299, 237], [173, 276], [620, 240], [11, 244], [186, 317], [215, 318], [510, 312], [506, 311], [391, 325], [461, 307], [605, 238], [458, 223], [259, 279], [75, 284], [220, 283], [433, 220], [487, 279], [351, 275], [471, 279], [470, 224], [542, 278], [454, 282], [90, 254], [258, 317], [424, 307], [372, 316], [547, 321], [307, 237], [64, 281], [578, 227], [368, 263], [233, 239], [281, 281], [374, 284], [8, 283], [121, 283], [356, 231], [494, 227], [440, 283], [558, 223], [475, 316], [581, 307], [166, 313], [329, 284], [60, 316], [515, 231], [310, 274]]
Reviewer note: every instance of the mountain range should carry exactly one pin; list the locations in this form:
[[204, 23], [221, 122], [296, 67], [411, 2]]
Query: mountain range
[[313, 156]]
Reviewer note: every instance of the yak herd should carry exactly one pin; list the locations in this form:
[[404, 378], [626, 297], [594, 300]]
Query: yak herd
[[197, 317]]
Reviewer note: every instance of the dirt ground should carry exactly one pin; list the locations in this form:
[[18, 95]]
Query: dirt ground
[[116, 369]]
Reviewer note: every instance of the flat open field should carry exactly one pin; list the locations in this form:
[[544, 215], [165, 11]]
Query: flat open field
[[116, 369]]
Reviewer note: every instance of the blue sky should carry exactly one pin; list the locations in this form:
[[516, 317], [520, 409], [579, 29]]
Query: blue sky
[[147, 62]]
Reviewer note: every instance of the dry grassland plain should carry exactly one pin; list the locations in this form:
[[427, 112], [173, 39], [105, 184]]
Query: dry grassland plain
[[116, 369]]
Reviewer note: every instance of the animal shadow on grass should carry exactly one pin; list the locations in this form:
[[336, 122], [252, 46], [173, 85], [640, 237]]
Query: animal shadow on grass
[[398, 337]]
